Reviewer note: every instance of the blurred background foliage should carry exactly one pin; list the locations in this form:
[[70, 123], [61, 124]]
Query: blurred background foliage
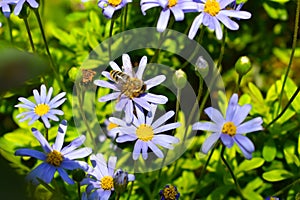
[[74, 28]]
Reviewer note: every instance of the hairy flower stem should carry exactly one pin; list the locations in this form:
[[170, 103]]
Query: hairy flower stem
[[111, 28], [10, 30], [292, 54], [52, 65], [231, 172], [78, 191], [286, 107], [130, 190], [198, 186], [29, 33]]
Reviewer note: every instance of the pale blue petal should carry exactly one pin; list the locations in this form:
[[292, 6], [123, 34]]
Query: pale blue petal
[[33, 3], [232, 25], [74, 164], [106, 84], [163, 20], [109, 97], [37, 96], [79, 153], [206, 126], [250, 126], [224, 3], [209, 142], [144, 150], [114, 66], [195, 26], [227, 140], [150, 114], [108, 11], [126, 138], [48, 97], [236, 14], [145, 7], [155, 149], [120, 105], [218, 28], [232, 106], [137, 150], [73, 145], [117, 121], [111, 165], [43, 93], [178, 13], [143, 102], [215, 116], [162, 119], [140, 115], [60, 136], [18, 7], [245, 144], [141, 69], [26, 102], [32, 153], [56, 99], [157, 80], [44, 143], [241, 114], [166, 127], [129, 112], [127, 65], [46, 121], [154, 98], [65, 176]]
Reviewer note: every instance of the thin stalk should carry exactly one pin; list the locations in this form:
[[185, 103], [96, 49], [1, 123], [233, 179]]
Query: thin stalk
[[29, 33], [52, 64], [285, 108], [78, 191], [10, 30], [231, 172], [177, 105], [118, 195], [292, 53], [130, 190], [198, 187], [287, 187], [125, 18], [110, 35], [237, 87]]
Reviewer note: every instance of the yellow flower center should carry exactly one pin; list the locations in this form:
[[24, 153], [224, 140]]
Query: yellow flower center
[[144, 132], [212, 7], [114, 3], [107, 183], [170, 193], [54, 158], [172, 3], [229, 128], [111, 126], [41, 109]]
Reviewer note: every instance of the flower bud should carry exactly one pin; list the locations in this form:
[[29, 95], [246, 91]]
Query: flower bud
[[179, 79], [78, 175], [201, 67], [243, 65], [120, 181]]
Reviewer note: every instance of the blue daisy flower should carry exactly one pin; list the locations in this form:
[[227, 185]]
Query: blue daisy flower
[[100, 179], [4, 4], [212, 12], [230, 129], [20, 4], [44, 108], [56, 157], [110, 6], [127, 100]]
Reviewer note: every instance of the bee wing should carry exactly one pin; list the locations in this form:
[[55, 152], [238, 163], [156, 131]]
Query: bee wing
[[127, 66]]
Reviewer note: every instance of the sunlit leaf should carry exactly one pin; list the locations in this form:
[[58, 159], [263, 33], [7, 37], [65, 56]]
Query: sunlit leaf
[[277, 175]]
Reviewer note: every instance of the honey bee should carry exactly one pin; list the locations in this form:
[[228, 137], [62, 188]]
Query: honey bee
[[130, 86]]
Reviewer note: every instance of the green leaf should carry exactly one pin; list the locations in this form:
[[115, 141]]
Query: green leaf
[[191, 164], [269, 150], [275, 10], [248, 165], [277, 175], [256, 93], [76, 16], [219, 193], [289, 88]]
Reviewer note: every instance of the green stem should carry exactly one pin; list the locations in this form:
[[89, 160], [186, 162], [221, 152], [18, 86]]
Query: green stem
[[10, 30], [52, 65], [237, 87], [125, 18], [78, 191], [231, 172], [177, 105], [286, 107], [130, 190], [292, 54], [118, 195], [198, 187], [29, 33], [110, 35], [286, 187]]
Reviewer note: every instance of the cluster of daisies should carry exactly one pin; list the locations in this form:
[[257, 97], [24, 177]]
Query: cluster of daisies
[[137, 126], [211, 12]]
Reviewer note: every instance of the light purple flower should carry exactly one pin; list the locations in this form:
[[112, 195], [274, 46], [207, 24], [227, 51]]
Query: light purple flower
[[44, 108], [127, 103], [177, 7], [110, 6], [100, 178], [230, 129], [20, 4], [55, 158], [145, 132], [4, 4], [212, 12]]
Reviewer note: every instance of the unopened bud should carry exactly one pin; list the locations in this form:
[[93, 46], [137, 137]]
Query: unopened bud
[[179, 79], [120, 181], [78, 175], [202, 67], [243, 65]]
